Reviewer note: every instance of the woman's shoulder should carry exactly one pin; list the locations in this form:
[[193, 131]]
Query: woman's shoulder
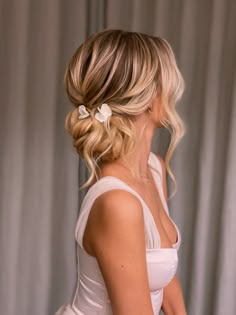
[[116, 204], [115, 211]]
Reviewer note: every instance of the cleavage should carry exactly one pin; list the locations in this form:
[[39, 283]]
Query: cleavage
[[163, 224]]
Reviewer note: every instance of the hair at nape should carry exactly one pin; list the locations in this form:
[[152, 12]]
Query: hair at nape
[[125, 70]]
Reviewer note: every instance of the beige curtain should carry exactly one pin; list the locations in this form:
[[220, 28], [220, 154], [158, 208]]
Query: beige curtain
[[40, 171]]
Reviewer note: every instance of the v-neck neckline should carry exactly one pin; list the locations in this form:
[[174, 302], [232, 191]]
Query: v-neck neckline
[[165, 206]]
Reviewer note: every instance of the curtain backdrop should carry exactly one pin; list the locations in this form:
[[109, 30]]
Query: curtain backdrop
[[40, 171]]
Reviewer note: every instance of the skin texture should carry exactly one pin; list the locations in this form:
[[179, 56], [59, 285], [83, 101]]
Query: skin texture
[[114, 233], [121, 254], [118, 242]]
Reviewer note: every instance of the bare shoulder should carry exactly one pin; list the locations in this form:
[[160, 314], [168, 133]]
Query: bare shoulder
[[113, 213], [118, 243], [116, 207]]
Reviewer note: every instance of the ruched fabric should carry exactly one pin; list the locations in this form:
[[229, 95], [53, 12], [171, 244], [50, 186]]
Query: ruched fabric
[[91, 296]]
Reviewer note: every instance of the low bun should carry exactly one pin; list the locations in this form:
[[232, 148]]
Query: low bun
[[98, 142], [128, 71]]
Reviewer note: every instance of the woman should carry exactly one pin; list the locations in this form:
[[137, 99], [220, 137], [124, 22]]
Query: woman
[[124, 85]]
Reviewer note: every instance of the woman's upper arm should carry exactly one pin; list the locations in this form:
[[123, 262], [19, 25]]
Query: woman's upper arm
[[118, 242], [173, 300]]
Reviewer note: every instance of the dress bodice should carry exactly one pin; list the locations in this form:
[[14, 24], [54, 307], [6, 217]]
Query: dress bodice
[[91, 296]]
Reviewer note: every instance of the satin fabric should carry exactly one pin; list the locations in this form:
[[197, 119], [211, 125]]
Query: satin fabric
[[91, 296]]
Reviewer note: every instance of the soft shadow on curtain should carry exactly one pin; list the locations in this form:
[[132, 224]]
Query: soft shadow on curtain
[[39, 180]]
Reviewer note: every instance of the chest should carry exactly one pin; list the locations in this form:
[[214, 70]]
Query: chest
[[151, 196]]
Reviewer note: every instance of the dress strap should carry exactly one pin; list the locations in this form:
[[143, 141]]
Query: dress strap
[[156, 166], [156, 163]]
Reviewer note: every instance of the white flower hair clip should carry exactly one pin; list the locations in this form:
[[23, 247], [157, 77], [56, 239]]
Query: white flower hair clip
[[83, 112], [103, 113]]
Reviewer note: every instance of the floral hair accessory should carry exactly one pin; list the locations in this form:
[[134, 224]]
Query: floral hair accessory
[[83, 112], [103, 113]]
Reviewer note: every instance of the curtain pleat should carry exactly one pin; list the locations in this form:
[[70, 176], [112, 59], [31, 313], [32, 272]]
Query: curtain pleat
[[40, 172]]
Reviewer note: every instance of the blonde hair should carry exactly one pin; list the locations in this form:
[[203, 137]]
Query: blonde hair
[[126, 70]]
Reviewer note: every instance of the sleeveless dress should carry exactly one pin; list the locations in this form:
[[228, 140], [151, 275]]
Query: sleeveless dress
[[91, 296]]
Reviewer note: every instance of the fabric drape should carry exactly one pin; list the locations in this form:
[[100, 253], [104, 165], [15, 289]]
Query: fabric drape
[[41, 172]]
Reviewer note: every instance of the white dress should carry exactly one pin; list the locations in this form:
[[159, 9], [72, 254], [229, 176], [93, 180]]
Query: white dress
[[91, 296]]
